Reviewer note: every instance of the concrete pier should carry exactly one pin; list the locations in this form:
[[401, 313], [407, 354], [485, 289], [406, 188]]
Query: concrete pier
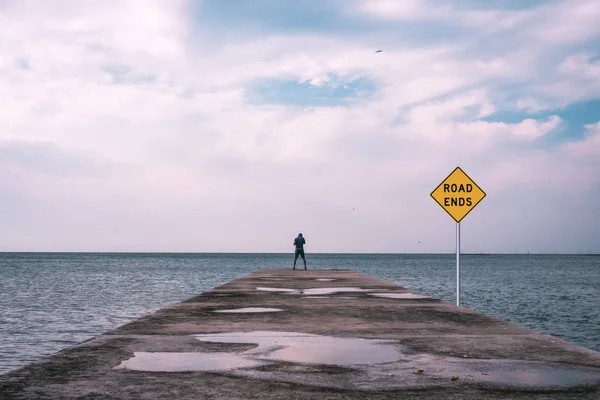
[[323, 334]]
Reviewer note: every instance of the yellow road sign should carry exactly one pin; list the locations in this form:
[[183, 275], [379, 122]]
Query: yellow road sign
[[458, 194]]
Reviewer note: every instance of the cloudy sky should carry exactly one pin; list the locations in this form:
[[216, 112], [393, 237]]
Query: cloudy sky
[[232, 125]]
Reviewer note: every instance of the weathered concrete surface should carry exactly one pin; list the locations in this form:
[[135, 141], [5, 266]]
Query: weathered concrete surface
[[425, 339]]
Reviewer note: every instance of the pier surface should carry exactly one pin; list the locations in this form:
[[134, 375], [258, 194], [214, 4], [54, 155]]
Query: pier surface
[[316, 334]]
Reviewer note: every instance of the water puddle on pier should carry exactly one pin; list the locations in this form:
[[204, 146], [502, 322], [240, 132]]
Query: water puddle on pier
[[249, 310], [534, 375], [271, 347], [382, 360], [400, 295], [321, 291], [309, 348], [316, 291], [185, 362], [272, 289], [317, 297], [325, 279]]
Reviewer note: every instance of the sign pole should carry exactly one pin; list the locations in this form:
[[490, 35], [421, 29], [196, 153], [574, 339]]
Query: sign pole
[[458, 263], [458, 195]]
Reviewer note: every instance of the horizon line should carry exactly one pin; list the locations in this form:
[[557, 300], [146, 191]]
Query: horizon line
[[284, 253]]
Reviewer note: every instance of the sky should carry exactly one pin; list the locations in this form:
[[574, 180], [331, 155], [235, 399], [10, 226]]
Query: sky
[[231, 126]]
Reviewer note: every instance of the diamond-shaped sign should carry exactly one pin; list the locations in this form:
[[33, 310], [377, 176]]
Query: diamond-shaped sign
[[458, 194]]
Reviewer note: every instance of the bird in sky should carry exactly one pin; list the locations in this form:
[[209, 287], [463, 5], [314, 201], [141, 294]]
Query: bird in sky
[[378, 51]]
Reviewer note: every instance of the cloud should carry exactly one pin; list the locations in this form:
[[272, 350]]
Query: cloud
[[205, 128], [488, 19], [589, 146], [405, 10], [567, 22], [316, 92], [50, 159]]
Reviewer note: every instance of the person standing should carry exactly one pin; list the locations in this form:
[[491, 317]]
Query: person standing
[[299, 243]]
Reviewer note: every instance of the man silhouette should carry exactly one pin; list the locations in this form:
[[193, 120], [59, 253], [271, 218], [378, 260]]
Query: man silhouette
[[299, 242]]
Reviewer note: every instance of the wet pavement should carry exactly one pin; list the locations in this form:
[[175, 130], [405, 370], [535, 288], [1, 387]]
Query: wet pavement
[[359, 337], [400, 295], [249, 310]]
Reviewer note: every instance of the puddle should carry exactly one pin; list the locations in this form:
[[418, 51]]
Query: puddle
[[249, 310], [400, 295], [381, 361], [347, 297], [535, 375], [315, 291], [504, 374], [182, 362], [272, 347], [317, 297], [309, 348], [333, 290], [272, 289], [271, 279], [325, 279]]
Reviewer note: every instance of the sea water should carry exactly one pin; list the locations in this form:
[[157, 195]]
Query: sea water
[[49, 301]]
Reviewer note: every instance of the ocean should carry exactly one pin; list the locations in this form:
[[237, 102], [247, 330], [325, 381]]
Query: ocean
[[49, 301]]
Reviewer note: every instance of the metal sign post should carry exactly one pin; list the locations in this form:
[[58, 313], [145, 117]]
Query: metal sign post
[[458, 195], [458, 263]]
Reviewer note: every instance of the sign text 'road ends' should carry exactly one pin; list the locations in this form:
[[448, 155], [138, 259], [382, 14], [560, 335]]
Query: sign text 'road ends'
[[458, 194]]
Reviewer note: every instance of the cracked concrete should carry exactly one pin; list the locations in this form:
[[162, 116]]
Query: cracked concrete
[[438, 350]]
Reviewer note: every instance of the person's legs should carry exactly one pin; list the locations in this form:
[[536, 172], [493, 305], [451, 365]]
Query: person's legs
[[295, 258], [303, 258]]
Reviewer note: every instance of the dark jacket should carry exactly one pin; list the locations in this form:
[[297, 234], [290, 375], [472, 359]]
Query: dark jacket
[[299, 242]]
